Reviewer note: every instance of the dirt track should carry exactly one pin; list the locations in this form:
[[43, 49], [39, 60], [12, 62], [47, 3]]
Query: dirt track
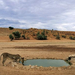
[[38, 49]]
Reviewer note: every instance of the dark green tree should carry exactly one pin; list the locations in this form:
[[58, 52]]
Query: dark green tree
[[11, 28], [11, 37], [23, 36], [16, 34]]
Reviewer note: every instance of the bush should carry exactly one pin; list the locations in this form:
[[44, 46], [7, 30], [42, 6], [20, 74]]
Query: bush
[[41, 37], [58, 37], [63, 36], [72, 38], [11, 37], [42, 33], [17, 35], [11, 28], [23, 36], [38, 33], [54, 35]]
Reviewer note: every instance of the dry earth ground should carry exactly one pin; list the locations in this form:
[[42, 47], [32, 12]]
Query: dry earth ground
[[32, 49]]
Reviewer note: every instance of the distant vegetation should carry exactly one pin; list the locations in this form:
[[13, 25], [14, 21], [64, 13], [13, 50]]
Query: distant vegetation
[[17, 34], [11, 37], [72, 38], [23, 36], [63, 36], [11, 28], [58, 37], [39, 34]]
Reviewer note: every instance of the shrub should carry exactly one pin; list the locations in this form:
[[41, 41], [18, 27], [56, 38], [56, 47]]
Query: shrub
[[23, 36], [41, 37], [38, 33], [45, 38], [11, 37], [43, 33], [63, 36], [58, 37], [16, 34], [54, 35], [11, 28], [72, 38]]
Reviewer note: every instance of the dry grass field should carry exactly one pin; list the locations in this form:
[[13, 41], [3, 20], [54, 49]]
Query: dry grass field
[[34, 49]]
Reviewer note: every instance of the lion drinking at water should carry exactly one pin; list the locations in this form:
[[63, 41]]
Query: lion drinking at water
[[15, 58]]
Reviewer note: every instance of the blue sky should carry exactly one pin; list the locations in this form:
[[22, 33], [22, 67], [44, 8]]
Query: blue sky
[[41, 14]]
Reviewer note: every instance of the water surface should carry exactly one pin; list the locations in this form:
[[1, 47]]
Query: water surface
[[46, 62]]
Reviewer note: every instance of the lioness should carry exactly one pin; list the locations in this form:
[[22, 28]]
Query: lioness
[[12, 56]]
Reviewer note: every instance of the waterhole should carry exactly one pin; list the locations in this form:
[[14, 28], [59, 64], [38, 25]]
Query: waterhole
[[46, 62]]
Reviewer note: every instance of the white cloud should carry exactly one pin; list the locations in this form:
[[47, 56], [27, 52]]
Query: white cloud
[[49, 14], [32, 25], [61, 28], [2, 3], [22, 21], [15, 0]]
